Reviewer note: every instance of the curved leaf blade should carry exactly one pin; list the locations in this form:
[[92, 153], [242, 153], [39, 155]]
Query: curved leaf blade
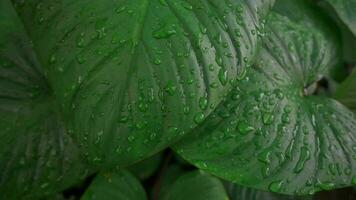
[[117, 185], [346, 92], [196, 185], [270, 134], [134, 76], [237, 192], [345, 9], [37, 156]]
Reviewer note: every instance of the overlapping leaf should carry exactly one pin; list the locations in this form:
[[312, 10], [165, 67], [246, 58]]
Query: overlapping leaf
[[346, 92], [271, 134], [37, 155], [196, 185], [345, 10]]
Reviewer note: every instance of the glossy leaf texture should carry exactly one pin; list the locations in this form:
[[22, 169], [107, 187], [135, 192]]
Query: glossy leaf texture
[[133, 76], [37, 156], [196, 185], [271, 134], [346, 92], [115, 186]]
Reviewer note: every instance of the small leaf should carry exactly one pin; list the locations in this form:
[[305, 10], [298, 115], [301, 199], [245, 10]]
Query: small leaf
[[297, 144], [198, 186], [116, 185], [346, 92]]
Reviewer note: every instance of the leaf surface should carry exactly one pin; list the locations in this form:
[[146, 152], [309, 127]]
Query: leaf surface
[[37, 155], [115, 186], [133, 76], [346, 92], [272, 134], [345, 10], [196, 185]]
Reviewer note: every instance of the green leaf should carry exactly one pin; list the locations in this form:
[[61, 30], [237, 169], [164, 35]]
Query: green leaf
[[270, 133], [342, 12], [346, 92], [133, 76], [196, 185], [165, 181], [146, 168], [237, 192], [37, 156], [115, 186], [345, 10]]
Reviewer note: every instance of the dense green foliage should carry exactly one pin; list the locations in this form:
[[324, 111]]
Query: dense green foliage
[[177, 99]]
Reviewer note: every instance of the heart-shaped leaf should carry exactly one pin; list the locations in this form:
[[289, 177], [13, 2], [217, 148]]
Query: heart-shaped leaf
[[37, 155], [133, 76], [271, 134], [196, 185], [115, 186], [346, 92]]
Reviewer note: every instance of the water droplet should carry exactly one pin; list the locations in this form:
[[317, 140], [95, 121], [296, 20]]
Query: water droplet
[[285, 118], [203, 29], [276, 186], [219, 60], [265, 157], [120, 9], [171, 88], [199, 117], [203, 103], [80, 59], [52, 59], [326, 186], [267, 118], [304, 157], [44, 185], [157, 61], [223, 76], [131, 138], [244, 128], [165, 32], [80, 43]]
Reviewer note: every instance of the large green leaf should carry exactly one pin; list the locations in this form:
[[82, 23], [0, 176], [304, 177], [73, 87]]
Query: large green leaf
[[133, 76], [115, 186], [346, 92], [271, 134], [37, 155], [196, 185]]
